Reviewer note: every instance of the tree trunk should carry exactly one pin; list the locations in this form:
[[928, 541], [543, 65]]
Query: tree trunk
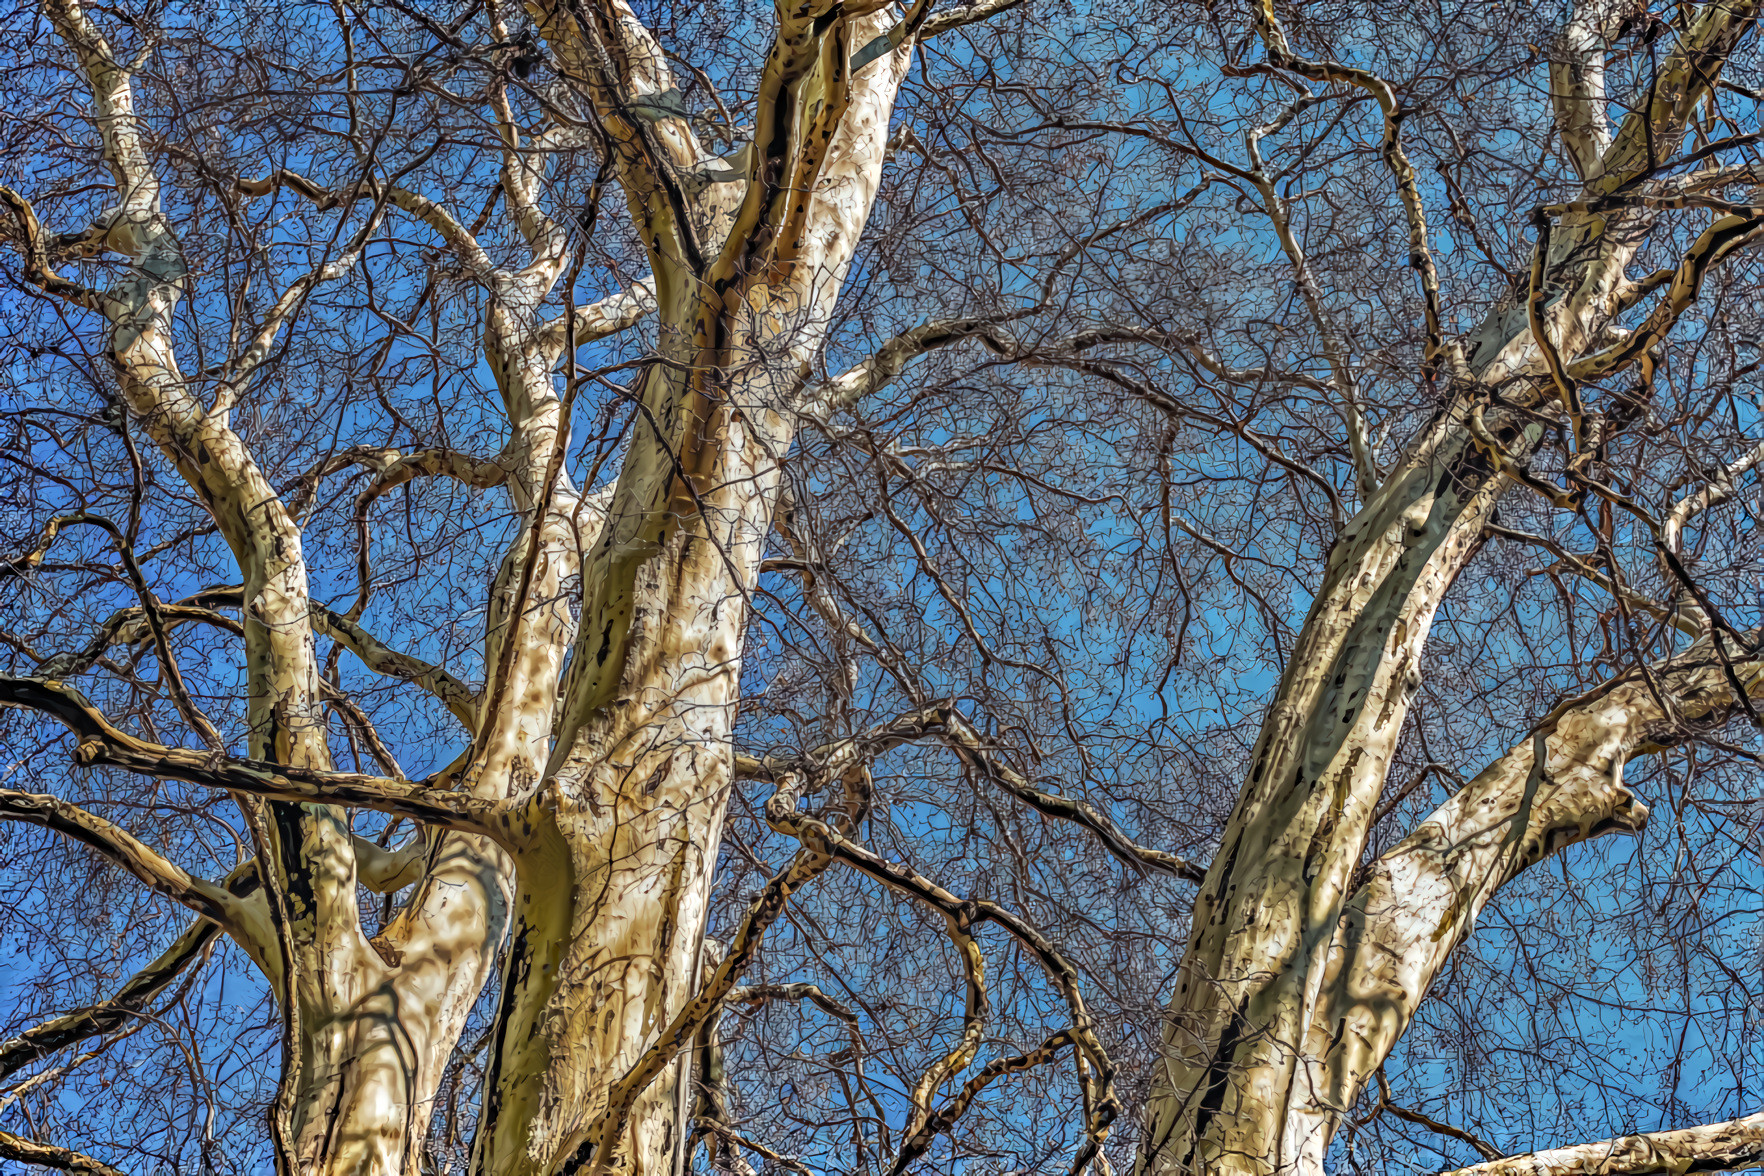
[[1254, 1074], [613, 889]]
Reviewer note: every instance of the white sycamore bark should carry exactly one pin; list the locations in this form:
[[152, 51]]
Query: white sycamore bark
[[1715, 1147], [1285, 1000], [614, 873], [582, 824]]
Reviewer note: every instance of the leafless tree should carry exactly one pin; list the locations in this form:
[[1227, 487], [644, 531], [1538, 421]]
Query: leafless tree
[[1007, 587]]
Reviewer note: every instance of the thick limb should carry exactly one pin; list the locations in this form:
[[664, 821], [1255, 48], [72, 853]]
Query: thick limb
[[1714, 1147]]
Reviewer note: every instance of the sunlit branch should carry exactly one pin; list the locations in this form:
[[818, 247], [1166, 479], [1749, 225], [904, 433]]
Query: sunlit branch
[[101, 743], [975, 1012], [460, 699], [1715, 1147], [47, 1155], [238, 373], [31, 242], [125, 850], [920, 1140], [445, 225], [605, 318], [597, 1148], [1723, 486]]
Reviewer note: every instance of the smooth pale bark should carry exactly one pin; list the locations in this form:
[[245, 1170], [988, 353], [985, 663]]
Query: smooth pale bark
[[320, 952], [613, 893], [1714, 1147], [1236, 1066], [1422, 898], [373, 1023]]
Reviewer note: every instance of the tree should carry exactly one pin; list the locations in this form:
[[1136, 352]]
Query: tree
[[888, 533]]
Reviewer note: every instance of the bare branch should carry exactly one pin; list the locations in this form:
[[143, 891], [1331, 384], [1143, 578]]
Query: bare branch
[[920, 1140], [461, 700], [31, 242], [1723, 486], [122, 848], [603, 319], [58, 1033], [28, 1151], [102, 743], [1065, 808], [1561, 785], [964, 14], [446, 226], [1577, 81], [1715, 1147]]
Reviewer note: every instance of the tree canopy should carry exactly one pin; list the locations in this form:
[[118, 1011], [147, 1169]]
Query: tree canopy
[[1015, 586]]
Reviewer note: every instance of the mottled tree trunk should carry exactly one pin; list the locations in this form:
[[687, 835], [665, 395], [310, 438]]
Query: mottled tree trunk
[[1293, 989]]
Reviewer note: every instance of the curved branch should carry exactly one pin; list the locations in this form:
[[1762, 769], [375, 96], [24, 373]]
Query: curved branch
[[58, 1033], [472, 471], [459, 698], [1714, 1147], [1727, 235], [1560, 786], [1723, 486], [1103, 1104], [603, 319], [122, 848], [47, 1155], [446, 226], [970, 747], [960, 926], [35, 247], [919, 1141], [102, 743]]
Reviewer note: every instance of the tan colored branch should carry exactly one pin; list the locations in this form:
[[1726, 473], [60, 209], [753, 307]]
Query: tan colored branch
[[58, 1033], [32, 243], [102, 743], [919, 1141], [460, 699], [959, 925], [1715, 1147], [113, 105], [1723, 486], [1558, 787], [1650, 136], [1732, 232], [1577, 81], [605, 318], [597, 1148], [29, 1151], [286, 307], [445, 224], [123, 849], [428, 463], [1065, 808], [964, 14]]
